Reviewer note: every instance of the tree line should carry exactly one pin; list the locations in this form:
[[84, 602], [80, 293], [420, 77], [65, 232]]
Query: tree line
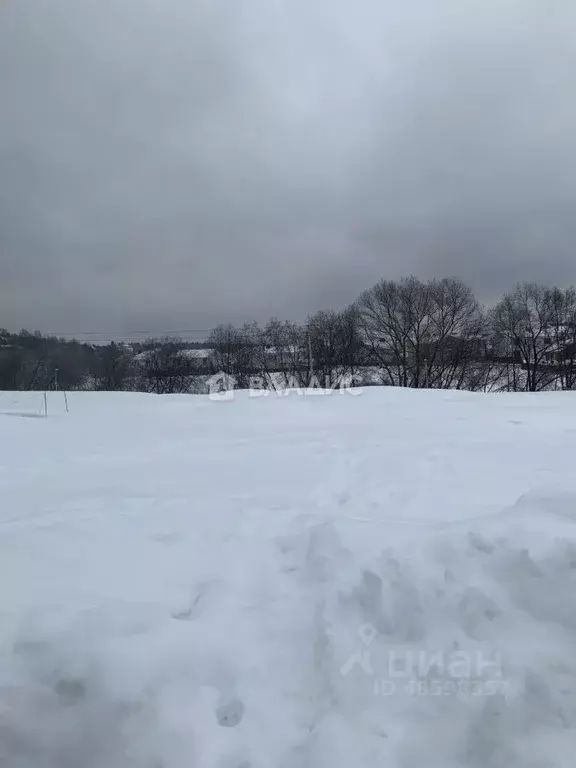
[[407, 333]]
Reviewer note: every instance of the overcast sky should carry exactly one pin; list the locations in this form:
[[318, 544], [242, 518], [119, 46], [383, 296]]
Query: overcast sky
[[172, 164]]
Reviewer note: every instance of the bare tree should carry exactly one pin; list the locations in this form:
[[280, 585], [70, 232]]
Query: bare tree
[[166, 369], [324, 336], [283, 354], [387, 327], [353, 350], [458, 338], [112, 368], [423, 334], [297, 354], [563, 332], [31, 361], [523, 321], [335, 344], [233, 352]]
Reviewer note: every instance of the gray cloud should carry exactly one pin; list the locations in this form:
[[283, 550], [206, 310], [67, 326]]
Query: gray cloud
[[175, 164]]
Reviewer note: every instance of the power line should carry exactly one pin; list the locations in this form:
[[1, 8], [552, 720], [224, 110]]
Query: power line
[[105, 334], [198, 335], [134, 337]]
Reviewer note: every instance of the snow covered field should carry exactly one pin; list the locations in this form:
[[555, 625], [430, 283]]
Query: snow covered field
[[386, 579]]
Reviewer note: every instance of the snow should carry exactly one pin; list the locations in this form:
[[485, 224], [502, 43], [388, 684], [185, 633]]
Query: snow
[[198, 354], [384, 578]]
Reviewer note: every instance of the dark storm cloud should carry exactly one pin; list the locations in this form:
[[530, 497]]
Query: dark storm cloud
[[174, 164]]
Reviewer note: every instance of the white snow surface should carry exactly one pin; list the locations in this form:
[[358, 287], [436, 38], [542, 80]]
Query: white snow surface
[[379, 579]]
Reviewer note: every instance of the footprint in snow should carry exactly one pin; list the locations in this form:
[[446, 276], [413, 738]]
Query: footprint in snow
[[230, 714]]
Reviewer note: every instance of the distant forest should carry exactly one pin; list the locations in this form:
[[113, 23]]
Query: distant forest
[[405, 333]]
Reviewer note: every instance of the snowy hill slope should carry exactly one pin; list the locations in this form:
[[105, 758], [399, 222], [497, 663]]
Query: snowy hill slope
[[386, 579]]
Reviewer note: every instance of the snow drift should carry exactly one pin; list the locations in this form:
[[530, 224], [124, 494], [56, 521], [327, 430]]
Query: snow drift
[[386, 578]]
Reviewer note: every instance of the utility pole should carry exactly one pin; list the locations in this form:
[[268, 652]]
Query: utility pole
[[310, 358], [56, 389]]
